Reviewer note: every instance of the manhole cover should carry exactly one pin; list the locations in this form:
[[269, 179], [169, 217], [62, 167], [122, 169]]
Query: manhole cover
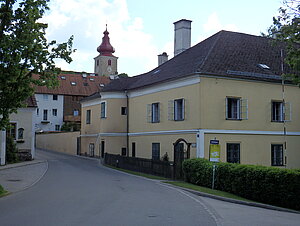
[[14, 180]]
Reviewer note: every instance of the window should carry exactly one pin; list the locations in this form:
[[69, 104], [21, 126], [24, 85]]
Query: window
[[54, 112], [37, 111], [233, 153], [277, 154], [123, 110], [176, 109], [155, 151], [123, 151], [88, 116], [153, 113], [97, 62], [85, 84], [73, 83], [75, 112], [55, 97], [277, 111], [133, 149], [236, 108], [20, 133], [45, 96], [103, 109], [45, 115], [109, 62], [57, 127], [12, 131]]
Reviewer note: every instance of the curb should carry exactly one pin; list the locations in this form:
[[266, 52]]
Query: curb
[[21, 164], [254, 204]]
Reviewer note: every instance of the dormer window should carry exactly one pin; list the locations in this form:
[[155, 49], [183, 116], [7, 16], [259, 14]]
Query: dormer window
[[264, 66]]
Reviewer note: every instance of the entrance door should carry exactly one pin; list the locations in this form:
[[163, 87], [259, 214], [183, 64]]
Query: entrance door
[[178, 159], [102, 148], [92, 149]]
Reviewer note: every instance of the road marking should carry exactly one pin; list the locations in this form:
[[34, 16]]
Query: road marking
[[218, 223]]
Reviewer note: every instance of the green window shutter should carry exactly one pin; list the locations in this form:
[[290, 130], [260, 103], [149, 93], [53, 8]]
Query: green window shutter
[[171, 110], [244, 109], [287, 112], [149, 113]]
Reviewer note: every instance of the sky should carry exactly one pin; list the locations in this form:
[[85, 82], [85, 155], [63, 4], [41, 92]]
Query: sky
[[139, 30]]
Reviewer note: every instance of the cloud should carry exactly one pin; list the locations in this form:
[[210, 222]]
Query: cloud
[[213, 24], [86, 19]]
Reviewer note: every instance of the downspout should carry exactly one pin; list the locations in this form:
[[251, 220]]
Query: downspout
[[127, 122]]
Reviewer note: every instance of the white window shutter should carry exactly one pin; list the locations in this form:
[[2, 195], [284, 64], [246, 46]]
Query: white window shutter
[[149, 113], [158, 112], [226, 108], [287, 112], [244, 108], [171, 110]]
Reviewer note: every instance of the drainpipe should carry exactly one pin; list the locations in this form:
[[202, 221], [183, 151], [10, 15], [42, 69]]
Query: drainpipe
[[127, 122]]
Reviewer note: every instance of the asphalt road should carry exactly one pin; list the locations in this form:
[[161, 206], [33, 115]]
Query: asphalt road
[[77, 191]]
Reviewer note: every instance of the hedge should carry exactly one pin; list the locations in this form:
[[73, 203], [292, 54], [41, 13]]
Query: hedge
[[275, 186]]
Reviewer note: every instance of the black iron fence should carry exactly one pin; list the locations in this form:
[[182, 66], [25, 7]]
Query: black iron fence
[[149, 166]]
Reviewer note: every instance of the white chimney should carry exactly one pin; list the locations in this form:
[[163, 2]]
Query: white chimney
[[182, 39], [162, 58]]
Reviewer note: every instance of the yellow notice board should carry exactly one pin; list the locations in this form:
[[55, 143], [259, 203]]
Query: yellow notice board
[[214, 151]]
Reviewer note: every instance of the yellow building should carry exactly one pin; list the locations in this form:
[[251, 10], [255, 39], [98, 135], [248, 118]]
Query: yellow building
[[227, 89]]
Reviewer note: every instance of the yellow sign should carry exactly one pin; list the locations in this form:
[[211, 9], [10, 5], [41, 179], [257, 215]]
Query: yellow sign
[[214, 151]]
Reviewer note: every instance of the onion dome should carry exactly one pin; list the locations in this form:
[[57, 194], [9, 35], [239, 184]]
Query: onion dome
[[105, 48]]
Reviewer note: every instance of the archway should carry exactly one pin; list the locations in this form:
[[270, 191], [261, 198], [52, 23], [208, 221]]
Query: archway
[[180, 154]]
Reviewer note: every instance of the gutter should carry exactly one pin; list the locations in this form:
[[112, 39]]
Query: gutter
[[127, 122]]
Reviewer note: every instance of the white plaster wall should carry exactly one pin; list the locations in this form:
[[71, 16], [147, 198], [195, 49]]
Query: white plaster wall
[[49, 104]]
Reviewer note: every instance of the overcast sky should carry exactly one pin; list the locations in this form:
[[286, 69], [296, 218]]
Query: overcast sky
[[142, 29]]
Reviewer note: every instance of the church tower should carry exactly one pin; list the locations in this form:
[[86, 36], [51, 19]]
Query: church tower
[[106, 62]]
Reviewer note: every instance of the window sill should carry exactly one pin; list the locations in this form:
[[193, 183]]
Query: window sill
[[45, 122], [278, 121], [234, 119], [178, 120]]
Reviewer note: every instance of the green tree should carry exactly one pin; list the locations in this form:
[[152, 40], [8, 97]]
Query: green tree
[[24, 51], [286, 28]]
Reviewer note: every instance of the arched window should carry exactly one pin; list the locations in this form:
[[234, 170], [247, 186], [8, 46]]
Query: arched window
[[20, 133], [109, 62]]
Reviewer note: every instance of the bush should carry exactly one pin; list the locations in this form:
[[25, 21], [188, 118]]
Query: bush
[[270, 185], [11, 151]]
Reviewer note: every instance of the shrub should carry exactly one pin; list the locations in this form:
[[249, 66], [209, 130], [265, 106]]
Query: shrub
[[11, 150], [270, 185]]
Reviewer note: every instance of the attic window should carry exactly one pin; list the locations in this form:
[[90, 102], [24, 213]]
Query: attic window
[[63, 77], [155, 72], [73, 83], [263, 66]]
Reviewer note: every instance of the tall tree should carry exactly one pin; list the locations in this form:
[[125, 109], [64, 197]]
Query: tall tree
[[24, 51], [286, 28]]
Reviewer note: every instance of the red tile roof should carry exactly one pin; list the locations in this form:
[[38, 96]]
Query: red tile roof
[[31, 102], [75, 84]]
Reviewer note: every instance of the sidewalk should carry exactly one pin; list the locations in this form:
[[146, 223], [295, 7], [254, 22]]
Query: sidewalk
[[19, 176]]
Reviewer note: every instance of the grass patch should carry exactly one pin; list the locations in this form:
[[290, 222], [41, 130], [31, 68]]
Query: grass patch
[[138, 173], [207, 190], [3, 192]]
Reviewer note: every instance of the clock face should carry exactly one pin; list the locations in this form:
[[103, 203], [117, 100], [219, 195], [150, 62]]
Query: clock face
[[109, 69]]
